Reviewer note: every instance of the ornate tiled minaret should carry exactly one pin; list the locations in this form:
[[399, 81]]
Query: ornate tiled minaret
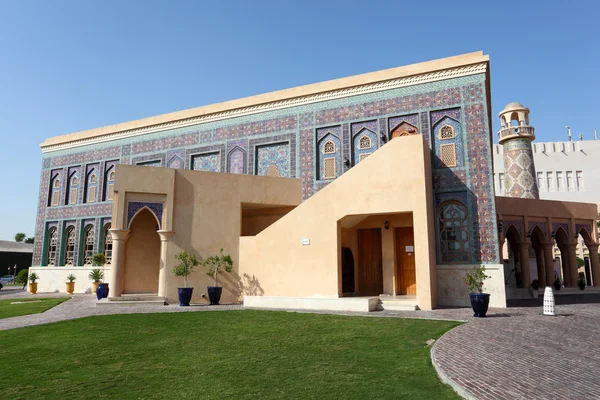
[[516, 136]]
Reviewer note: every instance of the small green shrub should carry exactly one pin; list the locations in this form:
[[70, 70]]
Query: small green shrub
[[217, 263], [96, 275], [98, 259], [71, 278], [33, 277], [187, 265], [474, 279], [22, 276]]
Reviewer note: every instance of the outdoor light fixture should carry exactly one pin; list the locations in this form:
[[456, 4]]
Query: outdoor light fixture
[[346, 162], [386, 225], [383, 138]]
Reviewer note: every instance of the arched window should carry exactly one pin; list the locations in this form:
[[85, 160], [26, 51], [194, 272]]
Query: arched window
[[329, 147], [88, 245], [107, 245], [92, 187], [73, 189], [57, 183], [109, 185], [70, 246], [453, 233], [54, 192], [365, 143], [447, 132], [52, 244]]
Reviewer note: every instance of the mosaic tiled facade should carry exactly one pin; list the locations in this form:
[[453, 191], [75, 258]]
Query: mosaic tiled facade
[[290, 138], [520, 178]]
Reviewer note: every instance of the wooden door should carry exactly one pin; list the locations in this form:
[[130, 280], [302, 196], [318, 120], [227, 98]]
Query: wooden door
[[370, 262], [406, 276]]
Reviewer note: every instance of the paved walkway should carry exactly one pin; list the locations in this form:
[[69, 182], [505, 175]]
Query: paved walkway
[[514, 354]]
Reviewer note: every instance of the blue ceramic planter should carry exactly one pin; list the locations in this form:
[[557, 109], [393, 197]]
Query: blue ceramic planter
[[185, 296], [214, 294], [480, 303], [102, 291]]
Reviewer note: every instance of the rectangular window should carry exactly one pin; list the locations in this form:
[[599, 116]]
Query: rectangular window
[[579, 177], [363, 156], [570, 184], [560, 186], [501, 182], [448, 155], [73, 196], [55, 198], [550, 180], [329, 168], [91, 195], [540, 181], [110, 191]]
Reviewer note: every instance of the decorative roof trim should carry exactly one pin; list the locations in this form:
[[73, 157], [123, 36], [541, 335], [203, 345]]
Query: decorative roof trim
[[293, 102]]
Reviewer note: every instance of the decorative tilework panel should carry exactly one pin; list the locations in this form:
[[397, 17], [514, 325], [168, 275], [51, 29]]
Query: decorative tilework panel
[[277, 139], [357, 150], [531, 225], [425, 128], [134, 206], [412, 119], [165, 143], [336, 155], [46, 163], [449, 179], [126, 150], [347, 154], [306, 158], [436, 116], [236, 163], [289, 122], [191, 153], [109, 152], [334, 130], [207, 162], [306, 119], [277, 154], [565, 226], [40, 217], [517, 224], [175, 159], [457, 141], [104, 208], [357, 127], [473, 93]]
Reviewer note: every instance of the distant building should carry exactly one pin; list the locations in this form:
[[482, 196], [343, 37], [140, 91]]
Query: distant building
[[14, 253], [565, 171]]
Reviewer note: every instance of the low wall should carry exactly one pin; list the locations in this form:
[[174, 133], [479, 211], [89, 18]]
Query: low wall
[[53, 279], [361, 304], [452, 290]]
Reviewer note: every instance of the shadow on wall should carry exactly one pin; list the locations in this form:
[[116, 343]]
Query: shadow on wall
[[245, 285]]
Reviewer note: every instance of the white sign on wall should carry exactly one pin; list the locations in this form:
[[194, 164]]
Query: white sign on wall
[[305, 241]]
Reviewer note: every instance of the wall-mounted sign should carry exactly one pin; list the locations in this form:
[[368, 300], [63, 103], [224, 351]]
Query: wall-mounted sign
[[305, 241], [410, 249]]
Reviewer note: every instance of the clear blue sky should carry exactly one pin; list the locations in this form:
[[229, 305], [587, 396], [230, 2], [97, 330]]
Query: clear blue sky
[[67, 66]]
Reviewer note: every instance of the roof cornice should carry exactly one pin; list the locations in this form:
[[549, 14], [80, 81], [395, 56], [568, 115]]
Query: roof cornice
[[430, 71]]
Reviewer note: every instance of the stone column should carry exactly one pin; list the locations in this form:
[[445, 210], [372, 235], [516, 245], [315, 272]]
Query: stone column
[[549, 261], [572, 256], [593, 249], [524, 259], [541, 266], [165, 237], [119, 237]]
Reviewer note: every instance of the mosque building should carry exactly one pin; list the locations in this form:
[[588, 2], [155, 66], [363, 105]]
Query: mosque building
[[365, 192]]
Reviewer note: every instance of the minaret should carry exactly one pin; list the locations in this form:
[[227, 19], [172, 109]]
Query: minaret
[[516, 136]]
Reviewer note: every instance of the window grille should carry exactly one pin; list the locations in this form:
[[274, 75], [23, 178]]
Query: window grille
[[453, 233], [108, 245], [329, 147], [329, 168], [70, 246], [91, 194], [448, 155], [73, 196], [88, 251], [110, 191], [447, 132], [365, 143], [52, 244]]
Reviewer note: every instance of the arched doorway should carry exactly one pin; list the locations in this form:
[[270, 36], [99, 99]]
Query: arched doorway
[[142, 259], [585, 239], [537, 242], [513, 265], [562, 241]]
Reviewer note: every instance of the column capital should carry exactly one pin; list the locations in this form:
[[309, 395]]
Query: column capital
[[592, 246], [119, 234], [548, 244], [165, 235], [525, 243]]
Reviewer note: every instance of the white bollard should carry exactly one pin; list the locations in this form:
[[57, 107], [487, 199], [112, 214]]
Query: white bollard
[[549, 301]]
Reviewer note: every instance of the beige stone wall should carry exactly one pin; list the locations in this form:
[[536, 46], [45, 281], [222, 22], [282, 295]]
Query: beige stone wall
[[452, 290], [204, 209], [396, 179]]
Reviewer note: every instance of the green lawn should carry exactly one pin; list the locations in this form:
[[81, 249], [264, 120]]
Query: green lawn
[[223, 355], [27, 306]]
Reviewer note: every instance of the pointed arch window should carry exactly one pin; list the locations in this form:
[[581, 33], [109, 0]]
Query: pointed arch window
[[109, 186], [107, 245], [55, 192], [70, 246], [73, 189], [453, 232], [329, 147], [52, 245], [447, 132], [88, 245], [92, 187], [365, 143]]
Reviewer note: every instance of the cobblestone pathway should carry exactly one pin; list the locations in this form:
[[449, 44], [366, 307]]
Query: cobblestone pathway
[[515, 353]]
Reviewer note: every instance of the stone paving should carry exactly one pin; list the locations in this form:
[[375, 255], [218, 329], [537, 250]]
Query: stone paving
[[515, 353]]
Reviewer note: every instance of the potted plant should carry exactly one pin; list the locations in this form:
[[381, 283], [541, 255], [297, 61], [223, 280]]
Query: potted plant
[[99, 259], [184, 269], [535, 284], [479, 300], [216, 264], [581, 283], [33, 277], [71, 284], [96, 276], [557, 283]]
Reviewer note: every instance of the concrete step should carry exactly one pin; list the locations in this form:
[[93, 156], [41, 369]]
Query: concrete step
[[110, 302], [137, 297], [398, 305]]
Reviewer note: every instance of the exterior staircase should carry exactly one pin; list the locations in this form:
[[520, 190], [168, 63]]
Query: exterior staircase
[[398, 303], [133, 300]]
